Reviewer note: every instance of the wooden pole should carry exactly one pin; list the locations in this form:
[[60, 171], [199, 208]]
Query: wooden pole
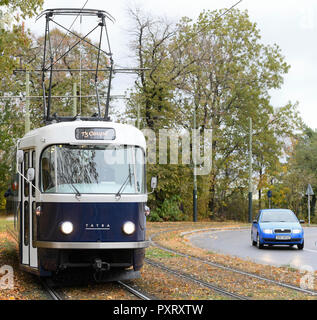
[[27, 102]]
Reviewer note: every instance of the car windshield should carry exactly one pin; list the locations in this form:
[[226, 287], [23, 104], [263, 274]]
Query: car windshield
[[278, 216], [93, 169]]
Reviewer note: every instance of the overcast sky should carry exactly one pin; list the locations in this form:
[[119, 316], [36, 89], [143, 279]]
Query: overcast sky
[[291, 24]]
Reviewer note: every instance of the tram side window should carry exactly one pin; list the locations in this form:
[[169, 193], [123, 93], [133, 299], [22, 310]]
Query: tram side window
[[26, 223], [48, 170], [140, 170], [26, 167], [33, 166], [34, 222]]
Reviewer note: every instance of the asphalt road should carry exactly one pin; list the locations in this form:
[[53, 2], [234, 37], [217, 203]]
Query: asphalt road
[[238, 243]]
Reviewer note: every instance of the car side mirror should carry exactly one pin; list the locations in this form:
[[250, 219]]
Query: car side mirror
[[31, 174], [20, 156], [147, 211], [255, 221], [154, 183], [301, 221]]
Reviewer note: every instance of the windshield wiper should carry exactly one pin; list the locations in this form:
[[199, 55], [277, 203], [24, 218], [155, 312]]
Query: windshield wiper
[[128, 178], [78, 194]]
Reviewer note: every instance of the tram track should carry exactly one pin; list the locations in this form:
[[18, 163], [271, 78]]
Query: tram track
[[135, 291], [12, 234], [55, 295], [50, 290], [226, 268], [197, 281]]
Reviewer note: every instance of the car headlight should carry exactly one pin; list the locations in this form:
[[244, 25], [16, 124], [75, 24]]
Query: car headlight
[[67, 227], [268, 231], [128, 227], [297, 231]]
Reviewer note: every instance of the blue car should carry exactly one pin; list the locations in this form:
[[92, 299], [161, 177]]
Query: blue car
[[277, 227]]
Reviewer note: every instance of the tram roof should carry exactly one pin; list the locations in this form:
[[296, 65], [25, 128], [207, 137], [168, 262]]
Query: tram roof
[[64, 133]]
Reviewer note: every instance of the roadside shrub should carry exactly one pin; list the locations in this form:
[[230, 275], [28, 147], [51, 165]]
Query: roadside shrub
[[169, 211]]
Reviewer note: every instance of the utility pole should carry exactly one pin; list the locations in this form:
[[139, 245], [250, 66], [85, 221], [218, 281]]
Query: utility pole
[[138, 121], [74, 111], [194, 172], [250, 172], [309, 192], [27, 102], [308, 207]]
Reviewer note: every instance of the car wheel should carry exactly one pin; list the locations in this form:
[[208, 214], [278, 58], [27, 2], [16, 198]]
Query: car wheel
[[258, 243], [252, 241], [300, 246]]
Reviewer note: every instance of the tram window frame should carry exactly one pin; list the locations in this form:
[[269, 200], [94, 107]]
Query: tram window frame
[[143, 187]]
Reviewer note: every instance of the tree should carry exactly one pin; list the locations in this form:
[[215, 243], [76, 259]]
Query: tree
[[302, 168], [14, 41], [13, 38], [217, 67]]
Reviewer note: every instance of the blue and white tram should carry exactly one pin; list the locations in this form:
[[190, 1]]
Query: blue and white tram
[[82, 193]]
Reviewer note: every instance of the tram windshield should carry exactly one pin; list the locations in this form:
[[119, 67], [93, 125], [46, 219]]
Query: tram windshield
[[93, 169]]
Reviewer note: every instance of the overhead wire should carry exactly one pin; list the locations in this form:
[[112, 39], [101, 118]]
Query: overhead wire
[[71, 26], [205, 27]]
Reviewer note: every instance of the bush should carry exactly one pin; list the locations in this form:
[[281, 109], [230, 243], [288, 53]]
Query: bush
[[169, 211], [2, 204]]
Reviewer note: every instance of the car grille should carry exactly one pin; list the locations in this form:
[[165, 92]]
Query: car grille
[[282, 231], [281, 241]]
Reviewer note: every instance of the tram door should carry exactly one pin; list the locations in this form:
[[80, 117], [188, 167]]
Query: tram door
[[28, 205]]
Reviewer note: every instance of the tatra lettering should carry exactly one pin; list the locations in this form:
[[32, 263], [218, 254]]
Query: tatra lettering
[[94, 226]]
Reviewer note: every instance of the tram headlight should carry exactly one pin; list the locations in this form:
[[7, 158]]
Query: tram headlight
[[128, 227], [67, 227]]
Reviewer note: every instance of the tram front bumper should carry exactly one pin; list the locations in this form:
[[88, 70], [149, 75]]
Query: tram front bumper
[[91, 245]]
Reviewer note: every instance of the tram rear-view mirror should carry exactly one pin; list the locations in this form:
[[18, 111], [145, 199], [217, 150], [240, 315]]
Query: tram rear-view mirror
[[20, 156], [30, 174], [153, 182]]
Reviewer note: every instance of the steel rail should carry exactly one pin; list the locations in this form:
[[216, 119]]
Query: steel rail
[[193, 279], [216, 265], [12, 233], [53, 294], [134, 291]]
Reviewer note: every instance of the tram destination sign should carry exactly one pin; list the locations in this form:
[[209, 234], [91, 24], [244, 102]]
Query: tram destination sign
[[95, 134]]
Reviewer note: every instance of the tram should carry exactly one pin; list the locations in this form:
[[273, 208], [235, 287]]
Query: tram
[[80, 186], [82, 192]]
